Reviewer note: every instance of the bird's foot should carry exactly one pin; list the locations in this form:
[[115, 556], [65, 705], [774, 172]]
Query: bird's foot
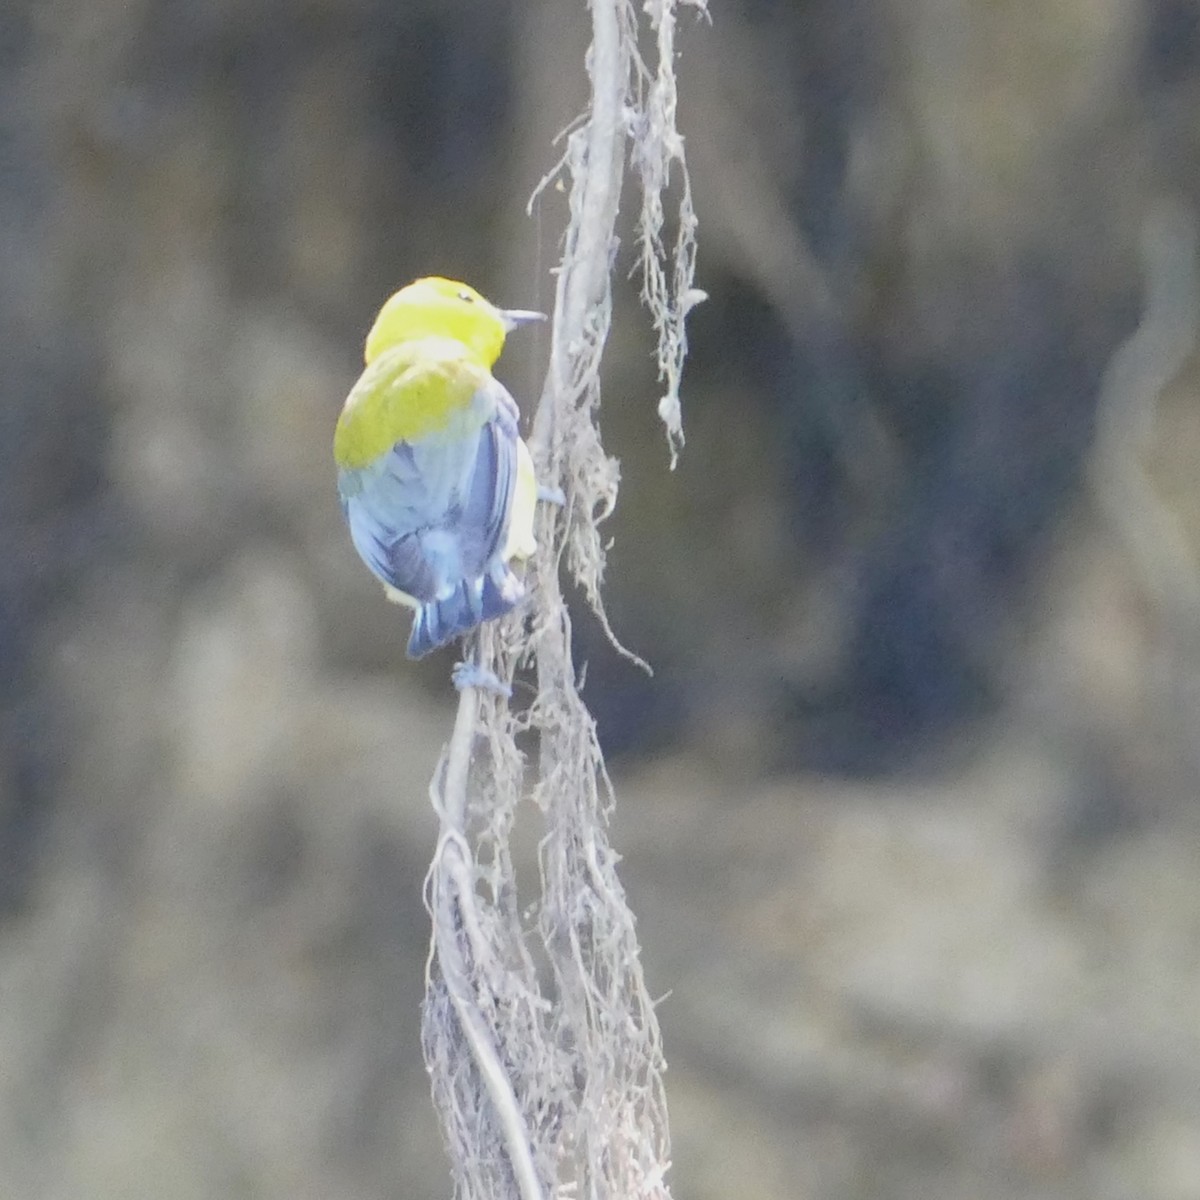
[[552, 495], [472, 675]]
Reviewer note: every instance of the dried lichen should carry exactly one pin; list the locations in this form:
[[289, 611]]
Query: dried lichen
[[539, 1033]]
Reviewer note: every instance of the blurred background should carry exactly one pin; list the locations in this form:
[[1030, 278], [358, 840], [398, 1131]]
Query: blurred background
[[909, 809]]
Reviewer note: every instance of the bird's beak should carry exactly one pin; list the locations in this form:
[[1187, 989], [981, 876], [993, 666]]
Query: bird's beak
[[512, 317]]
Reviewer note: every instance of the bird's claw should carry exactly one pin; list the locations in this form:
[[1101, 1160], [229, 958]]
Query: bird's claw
[[472, 675]]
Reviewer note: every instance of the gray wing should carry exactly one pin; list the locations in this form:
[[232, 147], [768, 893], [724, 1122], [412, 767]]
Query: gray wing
[[431, 513]]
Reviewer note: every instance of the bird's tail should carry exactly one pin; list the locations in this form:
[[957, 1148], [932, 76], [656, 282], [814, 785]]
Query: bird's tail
[[472, 601]]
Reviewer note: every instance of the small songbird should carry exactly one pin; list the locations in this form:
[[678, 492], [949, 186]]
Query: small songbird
[[436, 484]]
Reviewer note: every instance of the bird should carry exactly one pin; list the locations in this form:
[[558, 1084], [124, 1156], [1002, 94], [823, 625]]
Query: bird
[[435, 482]]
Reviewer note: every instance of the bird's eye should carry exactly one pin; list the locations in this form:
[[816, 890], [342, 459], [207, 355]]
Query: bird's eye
[[466, 297]]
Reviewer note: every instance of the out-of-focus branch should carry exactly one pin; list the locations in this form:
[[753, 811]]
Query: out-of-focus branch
[[1140, 369]]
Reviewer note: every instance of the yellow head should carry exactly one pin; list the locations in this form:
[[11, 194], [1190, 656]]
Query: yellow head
[[436, 307]]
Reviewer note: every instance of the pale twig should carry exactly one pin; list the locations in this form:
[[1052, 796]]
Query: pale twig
[[551, 1079], [452, 898]]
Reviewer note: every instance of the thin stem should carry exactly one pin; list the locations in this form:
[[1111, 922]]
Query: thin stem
[[453, 895]]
